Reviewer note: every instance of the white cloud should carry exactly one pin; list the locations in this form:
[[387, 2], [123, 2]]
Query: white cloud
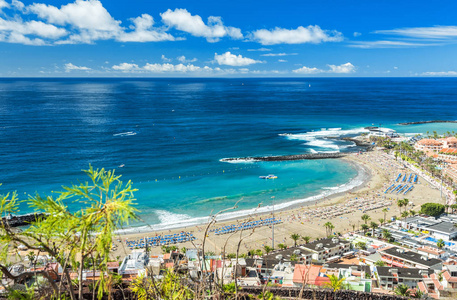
[[260, 49], [3, 4], [301, 35], [182, 20], [282, 60], [434, 32], [387, 44], [395, 68], [342, 69], [125, 67], [356, 34], [230, 59], [17, 4], [159, 68], [165, 59], [306, 70], [71, 67], [144, 31], [446, 73], [16, 31], [278, 54], [184, 60], [90, 18]]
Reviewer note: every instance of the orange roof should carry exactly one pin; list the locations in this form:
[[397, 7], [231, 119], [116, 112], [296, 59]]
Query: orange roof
[[422, 287], [448, 277], [431, 250], [429, 142], [166, 256], [448, 150], [307, 274]]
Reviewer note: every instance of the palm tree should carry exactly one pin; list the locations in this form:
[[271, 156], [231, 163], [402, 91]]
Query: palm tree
[[295, 238], [381, 221], [402, 290], [373, 226], [306, 239], [282, 246], [400, 204], [440, 244], [335, 283], [385, 210], [365, 227], [405, 214], [353, 227], [386, 234], [405, 202], [380, 263], [412, 213], [418, 294], [267, 249], [329, 227], [366, 218]]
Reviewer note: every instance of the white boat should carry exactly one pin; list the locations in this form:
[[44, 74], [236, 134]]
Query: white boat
[[271, 176]]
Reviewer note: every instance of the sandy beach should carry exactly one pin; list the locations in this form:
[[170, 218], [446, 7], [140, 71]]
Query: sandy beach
[[343, 210]]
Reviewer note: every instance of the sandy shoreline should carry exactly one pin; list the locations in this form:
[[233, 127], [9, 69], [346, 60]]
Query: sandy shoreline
[[380, 172], [360, 181]]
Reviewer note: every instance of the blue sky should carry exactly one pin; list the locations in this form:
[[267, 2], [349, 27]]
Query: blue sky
[[92, 38]]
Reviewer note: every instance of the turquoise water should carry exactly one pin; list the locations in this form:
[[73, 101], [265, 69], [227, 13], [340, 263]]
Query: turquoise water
[[170, 135]]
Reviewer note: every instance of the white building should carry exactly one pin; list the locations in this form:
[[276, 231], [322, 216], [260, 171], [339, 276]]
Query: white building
[[328, 249]]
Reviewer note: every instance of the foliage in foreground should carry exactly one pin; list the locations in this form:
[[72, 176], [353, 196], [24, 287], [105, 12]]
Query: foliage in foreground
[[76, 239]]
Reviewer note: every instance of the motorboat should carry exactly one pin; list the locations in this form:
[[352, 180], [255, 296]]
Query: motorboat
[[271, 176]]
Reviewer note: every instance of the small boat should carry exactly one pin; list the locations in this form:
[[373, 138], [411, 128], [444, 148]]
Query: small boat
[[271, 176], [121, 166]]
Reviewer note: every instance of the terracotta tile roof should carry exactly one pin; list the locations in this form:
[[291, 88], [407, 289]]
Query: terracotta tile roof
[[309, 274], [449, 278], [431, 250], [422, 287], [448, 150], [429, 142]]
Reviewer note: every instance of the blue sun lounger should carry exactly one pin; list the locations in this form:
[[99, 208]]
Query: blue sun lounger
[[389, 188]]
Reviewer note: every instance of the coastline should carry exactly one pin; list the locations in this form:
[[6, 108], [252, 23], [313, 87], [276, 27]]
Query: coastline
[[299, 220], [359, 182]]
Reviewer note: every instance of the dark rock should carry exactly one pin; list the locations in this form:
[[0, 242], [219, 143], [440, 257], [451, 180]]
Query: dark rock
[[427, 122], [16, 221], [288, 157]]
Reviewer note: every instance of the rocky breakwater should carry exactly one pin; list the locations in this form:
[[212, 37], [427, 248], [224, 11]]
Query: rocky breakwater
[[286, 157], [427, 122], [23, 220]]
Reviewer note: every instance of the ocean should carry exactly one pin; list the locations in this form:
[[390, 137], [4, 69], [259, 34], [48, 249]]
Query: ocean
[[169, 135]]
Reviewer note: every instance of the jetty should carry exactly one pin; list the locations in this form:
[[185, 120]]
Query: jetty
[[427, 122], [287, 157], [22, 220]]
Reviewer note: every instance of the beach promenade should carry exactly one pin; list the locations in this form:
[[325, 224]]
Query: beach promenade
[[343, 210]]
